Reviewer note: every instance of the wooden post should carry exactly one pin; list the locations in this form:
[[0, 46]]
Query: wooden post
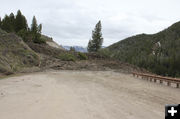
[[177, 85], [150, 79], [155, 80], [147, 78], [168, 83]]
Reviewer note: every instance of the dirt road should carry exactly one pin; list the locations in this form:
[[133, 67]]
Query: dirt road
[[83, 95]]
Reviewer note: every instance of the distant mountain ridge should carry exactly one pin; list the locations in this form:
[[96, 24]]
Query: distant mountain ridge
[[77, 48], [159, 53]]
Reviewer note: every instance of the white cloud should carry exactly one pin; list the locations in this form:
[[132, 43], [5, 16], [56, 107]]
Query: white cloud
[[70, 22]]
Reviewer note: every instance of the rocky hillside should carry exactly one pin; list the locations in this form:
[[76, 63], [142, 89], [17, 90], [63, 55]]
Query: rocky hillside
[[15, 54], [159, 53]]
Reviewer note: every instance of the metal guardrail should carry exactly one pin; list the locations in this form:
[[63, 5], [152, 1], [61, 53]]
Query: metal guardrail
[[160, 78]]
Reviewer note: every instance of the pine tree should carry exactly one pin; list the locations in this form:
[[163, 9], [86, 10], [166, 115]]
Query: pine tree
[[20, 22], [72, 49], [90, 47], [96, 43], [6, 24], [40, 28], [36, 31], [34, 26], [0, 22], [12, 22]]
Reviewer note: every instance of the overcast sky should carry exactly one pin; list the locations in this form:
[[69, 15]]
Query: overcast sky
[[70, 22]]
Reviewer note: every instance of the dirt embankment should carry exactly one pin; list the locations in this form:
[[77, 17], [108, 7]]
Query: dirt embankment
[[95, 62], [19, 56], [83, 95], [15, 54]]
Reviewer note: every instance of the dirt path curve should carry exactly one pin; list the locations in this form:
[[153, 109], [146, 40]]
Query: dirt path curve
[[83, 95]]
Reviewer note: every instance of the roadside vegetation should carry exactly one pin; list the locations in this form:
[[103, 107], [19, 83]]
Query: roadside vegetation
[[67, 57], [82, 56]]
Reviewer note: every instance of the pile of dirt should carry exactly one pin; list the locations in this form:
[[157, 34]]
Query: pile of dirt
[[45, 49], [18, 56], [94, 65], [95, 62]]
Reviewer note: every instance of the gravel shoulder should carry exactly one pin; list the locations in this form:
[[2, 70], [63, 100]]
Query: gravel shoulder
[[83, 95]]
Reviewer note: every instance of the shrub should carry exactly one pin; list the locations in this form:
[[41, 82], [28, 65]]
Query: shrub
[[23, 34], [37, 39], [105, 52], [72, 49], [67, 57], [82, 56]]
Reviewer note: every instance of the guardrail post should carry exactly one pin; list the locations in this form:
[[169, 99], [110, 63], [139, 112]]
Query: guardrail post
[[168, 83], [147, 78], [177, 85], [150, 79], [154, 79], [157, 78]]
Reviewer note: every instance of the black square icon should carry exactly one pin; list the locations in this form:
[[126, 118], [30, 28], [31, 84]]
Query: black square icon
[[172, 112]]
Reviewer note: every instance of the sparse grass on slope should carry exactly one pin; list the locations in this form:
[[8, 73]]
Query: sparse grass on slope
[[15, 54]]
